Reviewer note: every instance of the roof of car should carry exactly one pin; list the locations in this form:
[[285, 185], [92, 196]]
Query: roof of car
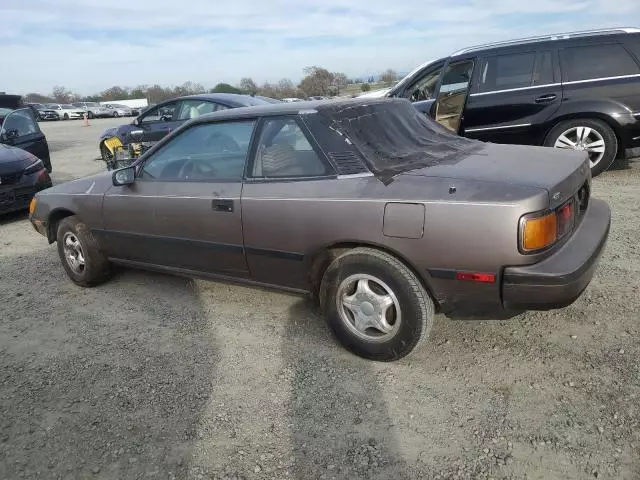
[[230, 99], [289, 108]]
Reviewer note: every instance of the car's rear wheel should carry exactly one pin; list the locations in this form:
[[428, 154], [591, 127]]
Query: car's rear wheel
[[80, 253], [375, 305], [66, 116], [593, 136]]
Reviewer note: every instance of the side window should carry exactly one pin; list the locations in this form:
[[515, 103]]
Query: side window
[[284, 151], [194, 108], [503, 72], [206, 152], [20, 123], [543, 71], [425, 87], [596, 61], [162, 113]]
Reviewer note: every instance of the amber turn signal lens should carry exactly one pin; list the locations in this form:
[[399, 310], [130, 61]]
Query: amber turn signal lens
[[32, 205], [539, 232]]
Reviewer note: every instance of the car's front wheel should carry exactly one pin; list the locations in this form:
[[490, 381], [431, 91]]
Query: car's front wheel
[[588, 135], [115, 114], [90, 115], [80, 253], [66, 116], [375, 305]]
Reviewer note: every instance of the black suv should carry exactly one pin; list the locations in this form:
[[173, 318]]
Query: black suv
[[576, 90]]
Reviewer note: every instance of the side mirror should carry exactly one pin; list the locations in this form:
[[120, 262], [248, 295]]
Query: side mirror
[[124, 176]]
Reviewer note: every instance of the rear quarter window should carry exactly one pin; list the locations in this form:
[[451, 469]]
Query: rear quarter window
[[634, 47], [596, 61]]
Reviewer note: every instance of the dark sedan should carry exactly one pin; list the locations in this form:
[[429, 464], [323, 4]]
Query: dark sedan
[[21, 176], [165, 117], [381, 214]]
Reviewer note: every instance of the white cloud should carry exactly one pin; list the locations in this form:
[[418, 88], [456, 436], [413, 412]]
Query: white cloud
[[89, 45]]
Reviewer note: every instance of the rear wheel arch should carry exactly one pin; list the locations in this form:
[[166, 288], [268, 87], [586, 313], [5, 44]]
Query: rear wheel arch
[[53, 220], [320, 260]]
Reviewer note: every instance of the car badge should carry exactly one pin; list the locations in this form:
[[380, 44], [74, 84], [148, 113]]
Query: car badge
[[556, 196]]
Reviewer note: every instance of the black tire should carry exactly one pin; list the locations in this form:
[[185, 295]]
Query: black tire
[[414, 301], [115, 115], [96, 266], [66, 116], [90, 115], [605, 131]]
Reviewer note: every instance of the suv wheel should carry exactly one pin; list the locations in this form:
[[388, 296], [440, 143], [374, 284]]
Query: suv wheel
[[376, 306], [593, 136], [80, 254]]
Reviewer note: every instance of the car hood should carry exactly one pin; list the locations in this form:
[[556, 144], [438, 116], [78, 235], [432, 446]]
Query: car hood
[[119, 131], [14, 159], [560, 172], [94, 184]]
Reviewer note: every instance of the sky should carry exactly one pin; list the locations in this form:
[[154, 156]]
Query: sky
[[90, 45]]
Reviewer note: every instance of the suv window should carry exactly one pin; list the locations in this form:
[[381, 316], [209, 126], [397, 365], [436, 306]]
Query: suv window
[[503, 72], [634, 46], [206, 152], [284, 151], [424, 88], [543, 71], [596, 61]]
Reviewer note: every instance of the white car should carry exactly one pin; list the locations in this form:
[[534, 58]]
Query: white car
[[119, 110], [66, 111]]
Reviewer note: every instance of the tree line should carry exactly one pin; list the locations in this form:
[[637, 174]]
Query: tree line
[[317, 81]]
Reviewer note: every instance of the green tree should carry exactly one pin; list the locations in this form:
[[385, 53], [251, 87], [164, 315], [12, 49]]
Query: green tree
[[318, 81], [365, 87], [225, 88]]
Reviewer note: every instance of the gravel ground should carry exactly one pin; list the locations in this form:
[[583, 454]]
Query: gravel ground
[[153, 376]]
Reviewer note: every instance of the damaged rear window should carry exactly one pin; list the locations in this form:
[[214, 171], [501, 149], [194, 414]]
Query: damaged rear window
[[394, 137]]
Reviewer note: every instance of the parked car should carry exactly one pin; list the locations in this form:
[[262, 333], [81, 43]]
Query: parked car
[[19, 128], [381, 214], [22, 173], [43, 112], [578, 91], [94, 109], [164, 117], [118, 110], [66, 111]]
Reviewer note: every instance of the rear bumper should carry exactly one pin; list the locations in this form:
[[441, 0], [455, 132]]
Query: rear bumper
[[560, 279]]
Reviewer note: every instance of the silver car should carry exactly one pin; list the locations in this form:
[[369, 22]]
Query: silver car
[[119, 110], [94, 109]]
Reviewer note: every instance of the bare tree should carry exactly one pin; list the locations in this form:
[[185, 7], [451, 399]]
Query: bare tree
[[318, 81], [389, 76], [62, 95], [37, 98], [248, 85]]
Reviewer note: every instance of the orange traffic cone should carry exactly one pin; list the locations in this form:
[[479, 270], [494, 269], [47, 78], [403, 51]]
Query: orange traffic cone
[[86, 119]]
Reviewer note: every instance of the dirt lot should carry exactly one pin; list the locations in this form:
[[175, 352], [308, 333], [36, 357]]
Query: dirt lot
[[152, 376]]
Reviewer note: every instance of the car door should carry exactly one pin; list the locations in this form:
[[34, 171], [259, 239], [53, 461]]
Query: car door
[[20, 129], [183, 211], [452, 91], [160, 120], [513, 95], [287, 166]]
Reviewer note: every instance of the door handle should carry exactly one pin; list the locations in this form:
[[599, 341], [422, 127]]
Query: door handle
[[546, 98], [222, 205]]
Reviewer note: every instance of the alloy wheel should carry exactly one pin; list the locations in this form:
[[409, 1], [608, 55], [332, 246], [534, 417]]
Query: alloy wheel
[[583, 139], [368, 307], [73, 253]]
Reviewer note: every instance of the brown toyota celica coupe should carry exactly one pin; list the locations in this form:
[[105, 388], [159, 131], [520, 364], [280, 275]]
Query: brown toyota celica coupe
[[376, 211]]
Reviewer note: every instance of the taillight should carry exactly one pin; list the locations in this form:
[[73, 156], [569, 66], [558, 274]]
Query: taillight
[[540, 231]]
